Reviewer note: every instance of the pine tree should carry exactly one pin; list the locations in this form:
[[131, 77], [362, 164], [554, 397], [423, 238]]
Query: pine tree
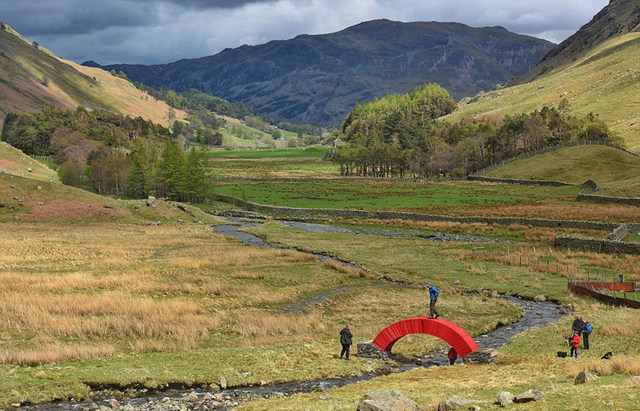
[[138, 186]]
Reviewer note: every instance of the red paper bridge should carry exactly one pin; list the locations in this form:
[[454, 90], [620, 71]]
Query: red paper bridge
[[453, 335]]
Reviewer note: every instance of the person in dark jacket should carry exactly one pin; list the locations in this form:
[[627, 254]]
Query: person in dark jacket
[[577, 325], [587, 328], [453, 356], [345, 340], [433, 296]]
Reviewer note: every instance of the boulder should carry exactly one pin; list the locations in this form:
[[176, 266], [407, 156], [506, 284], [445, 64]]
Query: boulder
[[482, 356], [635, 381], [584, 377], [505, 398], [2, 204], [223, 382], [475, 407], [386, 400], [528, 396], [29, 169], [453, 403], [456, 282], [540, 298], [150, 201], [366, 349]]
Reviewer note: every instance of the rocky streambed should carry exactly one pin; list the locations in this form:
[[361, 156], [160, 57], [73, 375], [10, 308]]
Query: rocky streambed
[[212, 397]]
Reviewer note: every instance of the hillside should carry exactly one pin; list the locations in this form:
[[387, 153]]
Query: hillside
[[317, 79], [619, 17], [606, 81], [617, 172], [31, 76]]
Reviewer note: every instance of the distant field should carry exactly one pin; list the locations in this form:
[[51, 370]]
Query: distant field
[[617, 172], [311, 152], [605, 82], [283, 163]]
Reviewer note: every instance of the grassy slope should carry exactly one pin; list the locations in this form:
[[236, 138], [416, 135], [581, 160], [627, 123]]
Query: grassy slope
[[14, 161], [606, 82], [312, 152], [617, 172], [24, 68]]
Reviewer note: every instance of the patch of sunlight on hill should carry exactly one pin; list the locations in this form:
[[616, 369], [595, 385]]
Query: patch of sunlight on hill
[[15, 162], [124, 95], [617, 172], [605, 82]]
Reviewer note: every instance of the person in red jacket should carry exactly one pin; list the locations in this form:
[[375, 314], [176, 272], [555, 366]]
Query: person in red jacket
[[453, 356], [575, 343]]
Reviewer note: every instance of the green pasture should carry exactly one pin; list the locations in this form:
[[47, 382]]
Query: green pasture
[[311, 152], [368, 195]]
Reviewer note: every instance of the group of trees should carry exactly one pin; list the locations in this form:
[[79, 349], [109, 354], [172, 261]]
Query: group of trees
[[110, 153], [400, 136]]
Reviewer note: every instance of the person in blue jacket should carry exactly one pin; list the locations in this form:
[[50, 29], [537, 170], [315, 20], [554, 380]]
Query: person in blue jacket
[[433, 295]]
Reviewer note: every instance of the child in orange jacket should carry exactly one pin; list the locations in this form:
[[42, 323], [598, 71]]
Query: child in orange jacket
[[575, 343]]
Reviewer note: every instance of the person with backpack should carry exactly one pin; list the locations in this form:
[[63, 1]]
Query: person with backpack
[[575, 343], [587, 329], [345, 340], [578, 323], [453, 356], [433, 296]]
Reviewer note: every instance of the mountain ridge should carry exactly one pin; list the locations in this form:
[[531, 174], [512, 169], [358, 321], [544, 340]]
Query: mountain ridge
[[318, 78]]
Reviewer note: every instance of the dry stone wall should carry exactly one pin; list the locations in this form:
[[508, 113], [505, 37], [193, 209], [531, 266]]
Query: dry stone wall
[[552, 183], [597, 245]]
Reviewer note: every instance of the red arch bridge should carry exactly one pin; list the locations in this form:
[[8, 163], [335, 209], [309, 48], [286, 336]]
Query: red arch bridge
[[447, 331]]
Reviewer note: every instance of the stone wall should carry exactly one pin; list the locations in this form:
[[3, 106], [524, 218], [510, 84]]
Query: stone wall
[[310, 213], [553, 183], [592, 198], [597, 245]]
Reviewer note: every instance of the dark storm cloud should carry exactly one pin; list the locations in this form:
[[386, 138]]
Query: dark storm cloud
[[33, 17], [156, 31]]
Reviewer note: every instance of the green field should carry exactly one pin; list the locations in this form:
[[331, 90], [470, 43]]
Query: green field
[[617, 172], [368, 195], [311, 152]]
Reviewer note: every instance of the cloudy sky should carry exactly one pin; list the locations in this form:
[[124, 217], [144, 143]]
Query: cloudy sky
[[162, 31]]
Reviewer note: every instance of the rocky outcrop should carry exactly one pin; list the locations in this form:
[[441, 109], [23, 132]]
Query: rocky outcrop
[[505, 398], [386, 400], [366, 349], [482, 356], [453, 403], [585, 377], [529, 396]]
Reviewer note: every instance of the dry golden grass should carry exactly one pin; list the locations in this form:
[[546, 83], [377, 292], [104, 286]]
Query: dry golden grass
[[243, 275], [112, 314], [56, 352], [616, 365], [627, 330], [350, 271]]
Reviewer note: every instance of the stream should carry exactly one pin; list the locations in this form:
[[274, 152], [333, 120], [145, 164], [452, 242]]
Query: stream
[[177, 398]]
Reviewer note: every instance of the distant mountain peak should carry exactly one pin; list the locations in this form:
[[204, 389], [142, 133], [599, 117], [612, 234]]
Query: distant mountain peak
[[318, 78]]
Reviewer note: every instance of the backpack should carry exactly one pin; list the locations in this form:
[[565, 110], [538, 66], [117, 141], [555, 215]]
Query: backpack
[[607, 356], [562, 354], [588, 328]]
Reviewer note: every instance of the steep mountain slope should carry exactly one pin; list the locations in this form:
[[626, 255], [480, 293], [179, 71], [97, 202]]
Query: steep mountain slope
[[31, 76], [606, 81], [618, 18], [317, 79]]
